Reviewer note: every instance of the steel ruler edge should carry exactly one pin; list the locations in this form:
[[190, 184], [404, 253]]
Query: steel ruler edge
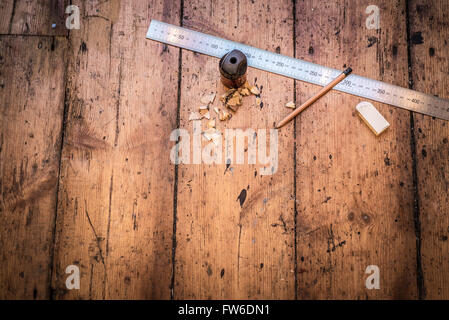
[[300, 69]]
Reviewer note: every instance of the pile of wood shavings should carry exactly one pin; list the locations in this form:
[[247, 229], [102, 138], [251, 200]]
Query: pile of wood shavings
[[231, 100]]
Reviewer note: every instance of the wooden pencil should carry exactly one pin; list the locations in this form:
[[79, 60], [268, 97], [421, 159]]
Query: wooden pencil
[[310, 101]]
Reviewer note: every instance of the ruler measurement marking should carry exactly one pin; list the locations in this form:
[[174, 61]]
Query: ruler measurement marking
[[300, 70]]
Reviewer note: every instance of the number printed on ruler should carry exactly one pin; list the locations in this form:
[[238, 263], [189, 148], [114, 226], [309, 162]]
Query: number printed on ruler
[[300, 70]]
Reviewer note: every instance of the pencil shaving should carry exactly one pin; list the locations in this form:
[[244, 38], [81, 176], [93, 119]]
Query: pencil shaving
[[208, 98], [254, 90], [224, 115], [206, 115], [290, 105], [212, 134], [211, 124], [194, 116]]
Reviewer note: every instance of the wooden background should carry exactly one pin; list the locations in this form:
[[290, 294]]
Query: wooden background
[[86, 178]]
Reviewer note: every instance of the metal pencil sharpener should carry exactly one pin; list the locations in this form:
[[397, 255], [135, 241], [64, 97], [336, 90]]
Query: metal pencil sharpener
[[233, 67]]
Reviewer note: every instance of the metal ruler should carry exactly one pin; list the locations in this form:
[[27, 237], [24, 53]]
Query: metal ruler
[[300, 70]]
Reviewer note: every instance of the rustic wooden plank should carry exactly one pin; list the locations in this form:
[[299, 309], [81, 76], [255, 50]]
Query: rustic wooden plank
[[115, 214], [235, 227], [6, 8], [34, 17], [354, 190], [31, 103], [429, 34]]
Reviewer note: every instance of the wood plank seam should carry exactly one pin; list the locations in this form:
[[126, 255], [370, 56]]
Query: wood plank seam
[[175, 184], [12, 16], [295, 149], [63, 133], [63, 130], [416, 211], [429, 30]]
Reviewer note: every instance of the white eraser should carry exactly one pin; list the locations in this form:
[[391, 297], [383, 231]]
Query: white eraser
[[369, 114]]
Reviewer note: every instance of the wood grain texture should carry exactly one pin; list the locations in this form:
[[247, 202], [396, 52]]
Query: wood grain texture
[[31, 109], [429, 37], [6, 9], [235, 228], [116, 187], [34, 17], [354, 190]]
